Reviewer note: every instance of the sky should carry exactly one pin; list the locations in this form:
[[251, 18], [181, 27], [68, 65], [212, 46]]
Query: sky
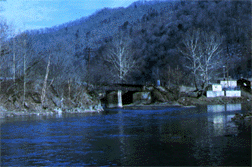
[[36, 14]]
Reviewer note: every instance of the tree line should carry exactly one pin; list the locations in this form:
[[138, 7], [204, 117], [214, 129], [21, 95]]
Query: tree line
[[177, 42]]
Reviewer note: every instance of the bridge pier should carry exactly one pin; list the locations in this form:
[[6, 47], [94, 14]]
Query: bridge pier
[[114, 93], [114, 99], [119, 96]]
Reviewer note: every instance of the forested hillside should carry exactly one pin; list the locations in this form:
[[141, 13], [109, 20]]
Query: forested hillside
[[153, 34]]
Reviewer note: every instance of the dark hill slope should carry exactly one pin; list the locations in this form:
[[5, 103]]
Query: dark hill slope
[[156, 30]]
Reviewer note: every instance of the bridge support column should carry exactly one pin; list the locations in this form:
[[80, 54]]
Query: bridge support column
[[114, 99], [119, 97]]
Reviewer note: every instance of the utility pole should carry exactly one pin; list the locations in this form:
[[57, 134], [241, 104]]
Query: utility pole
[[227, 64], [224, 72]]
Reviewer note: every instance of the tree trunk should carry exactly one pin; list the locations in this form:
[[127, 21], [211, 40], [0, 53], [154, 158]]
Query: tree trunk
[[45, 81], [24, 74], [195, 82], [69, 88], [14, 65]]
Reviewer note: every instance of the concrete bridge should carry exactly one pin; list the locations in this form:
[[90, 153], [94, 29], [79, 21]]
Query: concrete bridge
[[116, 93]]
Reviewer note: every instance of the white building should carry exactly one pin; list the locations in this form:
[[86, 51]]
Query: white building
[[225, 88], [216, 91], [229, 84]]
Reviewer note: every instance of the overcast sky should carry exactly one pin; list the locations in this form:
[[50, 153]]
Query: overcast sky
[[35, 14]]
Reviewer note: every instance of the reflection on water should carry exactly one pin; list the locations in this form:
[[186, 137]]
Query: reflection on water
[[222, 124], [224, 107], [233, 107], [122, 138], [165, 136], [215, 108]]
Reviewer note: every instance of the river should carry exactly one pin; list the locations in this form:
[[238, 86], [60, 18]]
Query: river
[[167, 136]]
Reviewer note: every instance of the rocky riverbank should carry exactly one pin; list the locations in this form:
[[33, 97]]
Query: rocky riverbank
[[58, 99], [244, 122], [243, 118], [203, 100], [181, 96], [75, 98]]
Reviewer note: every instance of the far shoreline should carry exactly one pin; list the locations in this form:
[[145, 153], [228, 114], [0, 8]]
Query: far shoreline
[[188, 102], [9, 114], [183, 102]]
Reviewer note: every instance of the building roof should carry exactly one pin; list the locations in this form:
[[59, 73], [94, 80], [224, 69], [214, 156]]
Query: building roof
[[250, 79]]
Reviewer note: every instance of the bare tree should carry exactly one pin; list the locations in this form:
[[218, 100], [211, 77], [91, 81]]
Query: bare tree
[[119, 56], [14, 62], [65, 69], [24, 44], [190, 51], [211, 58], [202, 53], [4, 32]]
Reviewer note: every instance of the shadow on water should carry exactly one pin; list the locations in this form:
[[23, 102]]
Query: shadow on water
[[161, 136]]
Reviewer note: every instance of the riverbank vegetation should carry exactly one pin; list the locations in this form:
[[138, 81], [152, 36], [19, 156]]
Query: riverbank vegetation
[[177, 42]]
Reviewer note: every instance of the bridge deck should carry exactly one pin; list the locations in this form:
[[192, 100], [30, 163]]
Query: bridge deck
[[123, 87]]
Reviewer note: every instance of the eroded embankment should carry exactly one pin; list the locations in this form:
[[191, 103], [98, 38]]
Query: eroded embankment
[[58, 98]]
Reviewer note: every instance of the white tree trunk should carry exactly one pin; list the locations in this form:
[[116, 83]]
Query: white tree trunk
[[45, 82]]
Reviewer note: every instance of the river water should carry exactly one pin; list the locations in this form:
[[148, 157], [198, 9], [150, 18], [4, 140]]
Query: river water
[[159, 136]]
